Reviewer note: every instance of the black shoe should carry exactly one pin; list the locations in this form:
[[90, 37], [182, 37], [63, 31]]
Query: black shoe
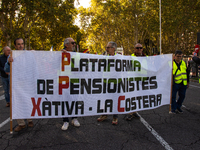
[[134, 115], [129, 117], [179, 111]]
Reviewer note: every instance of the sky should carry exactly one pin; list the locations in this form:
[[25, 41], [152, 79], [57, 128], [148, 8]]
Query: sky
[[84, 3]]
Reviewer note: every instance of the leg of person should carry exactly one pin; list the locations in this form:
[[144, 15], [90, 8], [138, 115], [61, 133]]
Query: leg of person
[[181, 98], [30, 123], [6, 86], [102, 118], [7, 92], [21, 125], [173, 104], [75, 122], [65, 123], [115, 119]]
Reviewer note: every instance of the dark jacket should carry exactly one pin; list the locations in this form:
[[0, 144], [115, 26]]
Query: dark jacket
[[196, 59], [3, 60]]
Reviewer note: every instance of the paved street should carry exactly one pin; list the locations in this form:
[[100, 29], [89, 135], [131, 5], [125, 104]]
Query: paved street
[[156, 130]]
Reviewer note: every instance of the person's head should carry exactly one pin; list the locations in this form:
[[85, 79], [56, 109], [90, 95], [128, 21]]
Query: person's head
[[69, 44], [178, 55], [111, 48], [19, 44], [6, 50], [138, 49]]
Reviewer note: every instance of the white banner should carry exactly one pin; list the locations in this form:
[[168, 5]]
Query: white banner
[[54, 84]]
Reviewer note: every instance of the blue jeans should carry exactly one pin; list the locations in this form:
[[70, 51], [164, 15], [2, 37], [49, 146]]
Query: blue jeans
[[6, 86], [181, 89]]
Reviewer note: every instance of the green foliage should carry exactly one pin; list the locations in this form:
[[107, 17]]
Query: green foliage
[[41, 23], [46, 23], [130, 21]]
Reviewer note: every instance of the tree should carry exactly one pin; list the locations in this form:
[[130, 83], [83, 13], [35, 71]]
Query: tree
[[130, 21], [40, 23]]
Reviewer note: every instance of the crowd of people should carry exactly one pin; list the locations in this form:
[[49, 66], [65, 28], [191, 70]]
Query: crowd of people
[[180, 79]]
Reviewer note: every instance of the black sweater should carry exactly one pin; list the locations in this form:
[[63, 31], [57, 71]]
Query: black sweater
[[196, 59], [3, 60]]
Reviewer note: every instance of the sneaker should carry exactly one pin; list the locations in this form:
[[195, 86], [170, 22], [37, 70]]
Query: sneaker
[[19, 128], [172, 112], [75, 123], [65, 126], [30, 124], [8, 105], [102, 118], [179, 111], [115, 121]]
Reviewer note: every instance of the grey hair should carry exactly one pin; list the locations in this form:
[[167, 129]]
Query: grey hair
[[6, 47], [137, 44], [113, 44], [66, 41]]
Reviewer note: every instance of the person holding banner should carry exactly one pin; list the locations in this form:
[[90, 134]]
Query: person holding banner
[[69, 45], [110, 49], [4, 76], [138, 52], [19, 45], [181, 82]]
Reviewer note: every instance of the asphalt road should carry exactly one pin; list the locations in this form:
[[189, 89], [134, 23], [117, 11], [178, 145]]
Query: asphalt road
[[155, 130]]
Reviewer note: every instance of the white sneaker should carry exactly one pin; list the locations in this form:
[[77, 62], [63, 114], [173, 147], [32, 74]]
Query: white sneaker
[[75, 123], [65, 126]]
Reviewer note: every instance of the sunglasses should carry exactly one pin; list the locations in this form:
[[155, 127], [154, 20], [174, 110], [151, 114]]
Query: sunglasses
[[108, 47], [73, 43], [139, 48]]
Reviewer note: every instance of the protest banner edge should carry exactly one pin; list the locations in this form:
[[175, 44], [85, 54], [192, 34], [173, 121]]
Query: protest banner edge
[[11, 123]]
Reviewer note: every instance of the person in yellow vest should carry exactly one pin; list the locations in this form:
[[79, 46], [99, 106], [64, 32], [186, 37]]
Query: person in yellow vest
[[138, 52], [180, 82], [110, 50]]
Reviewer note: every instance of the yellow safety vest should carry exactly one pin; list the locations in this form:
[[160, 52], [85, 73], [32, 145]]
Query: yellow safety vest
[[136, 56], [181, 75], [133, 54]]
